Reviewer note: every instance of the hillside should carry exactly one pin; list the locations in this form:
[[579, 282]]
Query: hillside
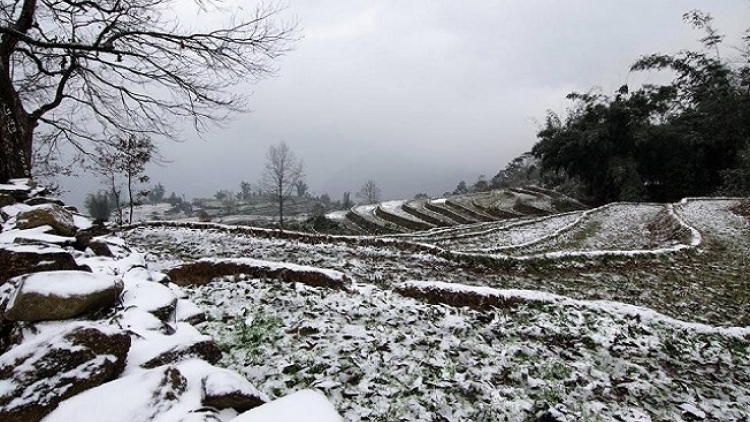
[[424, 214], [629, 312]]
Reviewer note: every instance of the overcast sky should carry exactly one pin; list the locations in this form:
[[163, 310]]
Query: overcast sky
[[418, 95]]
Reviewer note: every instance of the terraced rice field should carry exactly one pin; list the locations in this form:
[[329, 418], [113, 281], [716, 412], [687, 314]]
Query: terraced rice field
[[629, 312]]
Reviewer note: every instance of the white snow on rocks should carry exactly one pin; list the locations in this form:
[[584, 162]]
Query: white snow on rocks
[[305, 405]]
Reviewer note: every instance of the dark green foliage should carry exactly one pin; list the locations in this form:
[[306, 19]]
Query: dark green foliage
[[156, 194], [657, 143], [522, 171], [99, 205]]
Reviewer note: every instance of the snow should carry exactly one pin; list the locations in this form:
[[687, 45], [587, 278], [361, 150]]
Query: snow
[[82, 222], [304, 405], [396, 208], [128, 399], [336, 215], [66, 283], [275, 266], [36, 234], [225, 382], [622, 309]]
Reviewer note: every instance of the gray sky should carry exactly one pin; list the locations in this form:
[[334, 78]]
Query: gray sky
[[419, 95]]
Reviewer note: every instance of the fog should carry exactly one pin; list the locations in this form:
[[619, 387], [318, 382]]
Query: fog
[[420, 95]]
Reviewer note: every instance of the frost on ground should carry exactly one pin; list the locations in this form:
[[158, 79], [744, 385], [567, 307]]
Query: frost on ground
[[380, 356], [591, 353], [701, 283]]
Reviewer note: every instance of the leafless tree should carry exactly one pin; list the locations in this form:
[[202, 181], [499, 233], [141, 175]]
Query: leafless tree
[[80, 71], [282, 173], [369, 193]]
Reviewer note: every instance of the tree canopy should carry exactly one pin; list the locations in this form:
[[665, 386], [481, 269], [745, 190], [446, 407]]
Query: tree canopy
[[87, 71], [658, 142]]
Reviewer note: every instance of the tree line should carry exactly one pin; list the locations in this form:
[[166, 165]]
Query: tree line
[[660, 143]]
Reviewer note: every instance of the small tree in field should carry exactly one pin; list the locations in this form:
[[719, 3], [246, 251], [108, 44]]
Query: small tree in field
[[369, 193], [99, 205], [79, 72], [282, 173], [124, 160]]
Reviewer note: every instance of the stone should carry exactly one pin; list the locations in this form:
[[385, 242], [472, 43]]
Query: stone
[[41, 200], [140, 397], [152, 297], [19, 189], [303, 405], [200, 348], [19, 260], [38, 375], [225, 389], [189, 312], [55, 216], [59, 295], [6, 199]]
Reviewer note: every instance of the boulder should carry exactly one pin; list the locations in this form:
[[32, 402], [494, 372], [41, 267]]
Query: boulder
[[225, 389], [41, 200], [149, 296], [38, 375], [140, 397], [59, 295], [84, 238], [202, 347], [6, 200], [55, 216], [18, 260], [189, 312], [19, 189], [304, 405]]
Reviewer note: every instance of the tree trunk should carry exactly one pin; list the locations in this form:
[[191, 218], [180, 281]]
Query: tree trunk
[[281, 212], [16, 136]]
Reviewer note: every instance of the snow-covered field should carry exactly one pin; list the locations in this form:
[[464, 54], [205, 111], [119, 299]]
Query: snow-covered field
[[379, 355]]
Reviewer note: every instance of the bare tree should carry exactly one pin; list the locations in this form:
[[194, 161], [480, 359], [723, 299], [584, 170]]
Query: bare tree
[[369, 193], [282, 173], [83, 71]]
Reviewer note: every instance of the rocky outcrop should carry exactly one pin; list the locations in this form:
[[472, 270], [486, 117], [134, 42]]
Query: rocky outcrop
[[18, 260], [42, 200], [224, 389], [157, 299], [204, 270], [200, 348], [312, 404], [6, 199], [59, 295], [55, 216], [147, 395], [38, 375]]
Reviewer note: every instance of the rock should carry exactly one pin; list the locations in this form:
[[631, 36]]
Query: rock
[[140, 397], [100, 248], [18, 260], [6, 200], [38, 375], [189, 312], [202, 347], [204, 270], [41, 200], [59, 295], [304, 405], [19, 189], [225, 389], [55, 216], [84, 237], [151, 297]]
